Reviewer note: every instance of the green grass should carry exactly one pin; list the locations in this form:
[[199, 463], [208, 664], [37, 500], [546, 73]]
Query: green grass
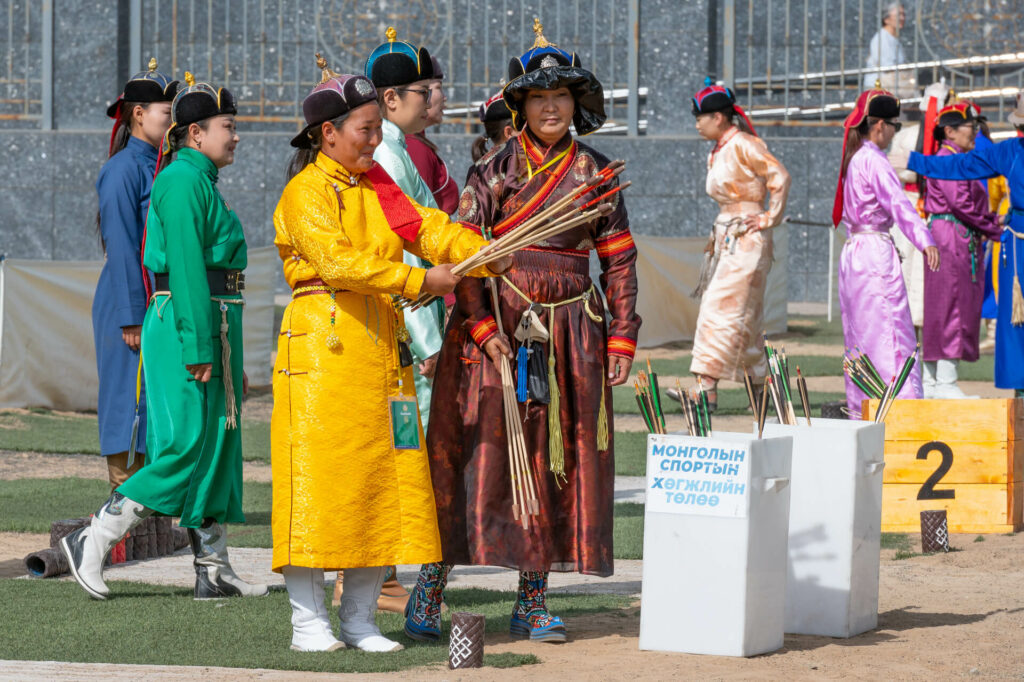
[[810, 365], [29, 505], [630, 453], [897, 541], [629, 531], [45, 431], [42, 431], [731, 401], [55, 620]]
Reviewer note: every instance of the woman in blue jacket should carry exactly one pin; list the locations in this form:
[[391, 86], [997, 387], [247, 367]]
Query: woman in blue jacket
[[142, 115]]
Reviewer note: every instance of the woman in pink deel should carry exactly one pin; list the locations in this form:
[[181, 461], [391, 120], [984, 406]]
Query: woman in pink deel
[[869, 201]]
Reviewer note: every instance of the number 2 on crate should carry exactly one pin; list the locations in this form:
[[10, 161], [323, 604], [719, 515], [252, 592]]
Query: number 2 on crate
[[928, 491]]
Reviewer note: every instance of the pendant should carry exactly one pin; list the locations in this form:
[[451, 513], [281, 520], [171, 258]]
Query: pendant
[[404, 354]]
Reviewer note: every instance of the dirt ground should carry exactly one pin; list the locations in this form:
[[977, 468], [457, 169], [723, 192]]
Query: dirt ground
[[949, 616]]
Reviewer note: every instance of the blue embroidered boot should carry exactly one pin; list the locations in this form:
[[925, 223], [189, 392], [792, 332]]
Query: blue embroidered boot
[[423, 611], [530, 617]]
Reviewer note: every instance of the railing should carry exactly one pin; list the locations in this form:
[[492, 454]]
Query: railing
[[794, 62], [263, 50], [22, 52]]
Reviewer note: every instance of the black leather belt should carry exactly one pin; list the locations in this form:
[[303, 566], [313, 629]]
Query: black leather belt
[[221, 281]]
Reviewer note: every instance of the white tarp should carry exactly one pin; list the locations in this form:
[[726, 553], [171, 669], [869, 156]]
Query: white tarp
[[47, 356], [667, 270]]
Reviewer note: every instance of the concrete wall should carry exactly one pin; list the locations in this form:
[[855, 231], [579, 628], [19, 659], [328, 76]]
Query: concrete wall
[[48, 202]]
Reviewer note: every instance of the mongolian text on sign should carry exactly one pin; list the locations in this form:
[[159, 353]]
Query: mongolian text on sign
[[687, 475]]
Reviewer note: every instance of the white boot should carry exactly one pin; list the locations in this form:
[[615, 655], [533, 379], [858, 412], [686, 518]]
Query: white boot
[[928, 380], [358, 607], [87, 548], [215, 578], [311, 628], [945, 380]]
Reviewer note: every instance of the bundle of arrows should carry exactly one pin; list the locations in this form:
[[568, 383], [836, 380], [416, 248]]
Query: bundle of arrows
[[561, 216], [778, 389], [696, 409], [648, 398], [865, 376]]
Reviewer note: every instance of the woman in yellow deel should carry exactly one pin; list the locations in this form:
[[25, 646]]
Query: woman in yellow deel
[[352, 486]]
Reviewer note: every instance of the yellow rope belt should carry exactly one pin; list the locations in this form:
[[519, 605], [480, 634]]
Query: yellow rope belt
[[556, 444]]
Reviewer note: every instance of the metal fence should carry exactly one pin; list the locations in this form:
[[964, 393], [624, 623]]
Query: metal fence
[[263, 50], [801, 61], [21, 71]]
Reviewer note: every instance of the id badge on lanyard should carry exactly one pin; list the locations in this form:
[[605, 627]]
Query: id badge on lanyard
[[405, 422]]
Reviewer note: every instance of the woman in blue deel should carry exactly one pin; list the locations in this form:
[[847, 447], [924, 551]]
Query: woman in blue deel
[[1005, 158], [142, 115]]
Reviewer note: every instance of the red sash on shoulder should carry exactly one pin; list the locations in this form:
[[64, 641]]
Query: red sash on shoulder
[[541, 194], [403, 218]]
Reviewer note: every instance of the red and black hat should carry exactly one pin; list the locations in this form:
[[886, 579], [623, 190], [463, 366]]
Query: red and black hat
[[958, 114], [876, 103], [335, 95], [197, 102], [545, 66], [717, 98], [494, 109], [397, 62], [145, 86]]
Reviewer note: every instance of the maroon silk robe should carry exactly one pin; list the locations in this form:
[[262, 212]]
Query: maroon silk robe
[[466, 441]]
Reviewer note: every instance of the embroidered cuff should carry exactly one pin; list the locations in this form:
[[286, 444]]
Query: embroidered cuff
[[483, 330], [620, 345], [615, 244], [413, 283]]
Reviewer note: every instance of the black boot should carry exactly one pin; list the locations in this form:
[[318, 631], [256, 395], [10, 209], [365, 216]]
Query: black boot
[[214, 577]]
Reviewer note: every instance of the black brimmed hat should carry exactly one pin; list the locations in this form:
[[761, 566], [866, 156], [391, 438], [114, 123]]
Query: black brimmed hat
[[397, 63], [335, 95], [494, 109], [145, 86], [547, 67], [197, 102], [958, 114]]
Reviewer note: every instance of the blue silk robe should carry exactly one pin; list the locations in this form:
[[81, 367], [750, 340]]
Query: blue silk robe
[[120, 301], [1005, 158], [426, 324]]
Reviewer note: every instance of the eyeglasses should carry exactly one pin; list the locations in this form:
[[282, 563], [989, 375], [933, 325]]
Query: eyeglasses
[[424, 92], [896, 125]]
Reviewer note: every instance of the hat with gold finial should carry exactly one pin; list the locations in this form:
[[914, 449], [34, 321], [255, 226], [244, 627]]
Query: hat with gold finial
[[333, 97], [197, 102], [397, 62], [145, 87], [545, 66]]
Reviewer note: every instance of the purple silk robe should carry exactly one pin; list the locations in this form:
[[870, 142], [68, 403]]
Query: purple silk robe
[[953, 295], [872, 296]]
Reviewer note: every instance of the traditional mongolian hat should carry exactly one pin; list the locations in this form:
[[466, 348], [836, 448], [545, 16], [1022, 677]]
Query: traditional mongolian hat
[[336, 95], [717, 98], [397, 62], [197, 102], [145, 86], [494, 109], [435, 64], [876, 103], [958, 114], [545, 66]]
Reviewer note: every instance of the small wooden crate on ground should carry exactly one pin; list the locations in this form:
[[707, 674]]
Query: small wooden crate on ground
[[964, 456]]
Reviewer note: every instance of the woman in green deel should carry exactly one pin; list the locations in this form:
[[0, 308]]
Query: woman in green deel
[[191, 355]]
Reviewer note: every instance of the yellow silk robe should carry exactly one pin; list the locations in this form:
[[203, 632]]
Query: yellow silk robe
[[343, 497]]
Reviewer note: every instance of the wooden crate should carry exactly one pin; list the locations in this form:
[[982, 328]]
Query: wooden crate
[[964, 456]]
